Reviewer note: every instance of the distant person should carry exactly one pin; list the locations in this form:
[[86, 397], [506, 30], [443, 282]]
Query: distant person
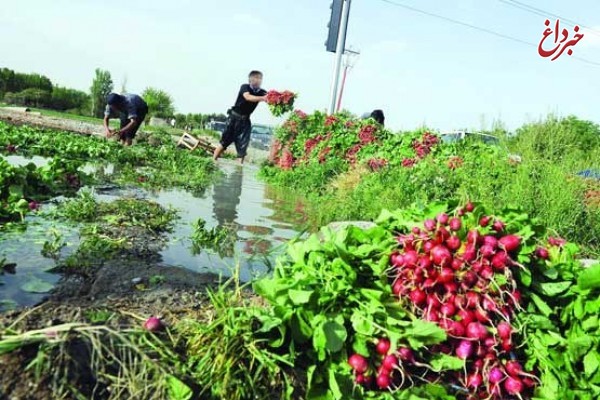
[[131, 109], [239, 125], [173, 122], [378, 116]]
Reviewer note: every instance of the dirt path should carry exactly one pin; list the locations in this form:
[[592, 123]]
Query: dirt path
[[19, 116]]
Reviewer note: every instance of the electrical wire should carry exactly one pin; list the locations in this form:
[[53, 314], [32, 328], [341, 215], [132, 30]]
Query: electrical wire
[[546, 14], [478, 28]]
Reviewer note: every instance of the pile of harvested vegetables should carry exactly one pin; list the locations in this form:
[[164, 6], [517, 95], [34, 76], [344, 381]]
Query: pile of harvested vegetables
[[441, 303]]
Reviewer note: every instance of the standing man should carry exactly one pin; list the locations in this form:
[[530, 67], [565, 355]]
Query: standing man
[[131, 109], [239, 125]]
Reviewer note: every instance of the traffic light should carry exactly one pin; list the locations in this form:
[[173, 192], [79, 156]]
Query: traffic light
[[334, 25]]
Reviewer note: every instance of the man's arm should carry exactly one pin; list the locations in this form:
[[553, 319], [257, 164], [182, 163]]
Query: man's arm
[[107, 111], [132, 123], [107, 125], [254, 99]]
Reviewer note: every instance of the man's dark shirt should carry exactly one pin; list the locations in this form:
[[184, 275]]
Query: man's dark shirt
[[244, 107]]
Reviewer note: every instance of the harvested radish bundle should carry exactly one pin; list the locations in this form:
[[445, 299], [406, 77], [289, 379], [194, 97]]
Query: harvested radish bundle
[[458, 273], [439, 303], [280, 102]]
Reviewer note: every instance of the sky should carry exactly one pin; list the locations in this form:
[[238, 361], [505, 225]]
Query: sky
[[420, 70]]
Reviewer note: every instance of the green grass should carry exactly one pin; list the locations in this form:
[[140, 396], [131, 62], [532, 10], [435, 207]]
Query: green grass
[[544, 184]]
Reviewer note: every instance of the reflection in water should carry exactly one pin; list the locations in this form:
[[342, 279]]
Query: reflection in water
[[226, 197]]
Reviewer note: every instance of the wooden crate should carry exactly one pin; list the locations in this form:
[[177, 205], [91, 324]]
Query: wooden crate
[[192, 143]]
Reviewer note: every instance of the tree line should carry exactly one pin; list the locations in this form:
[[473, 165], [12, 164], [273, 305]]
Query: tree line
[[35, 90]]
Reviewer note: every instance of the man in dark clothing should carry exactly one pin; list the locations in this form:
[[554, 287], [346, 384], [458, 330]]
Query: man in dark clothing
[[131, 109], [239, 125]]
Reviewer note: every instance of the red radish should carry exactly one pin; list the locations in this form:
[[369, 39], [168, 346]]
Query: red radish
[[514, 368], [455, 224], [383, 381], [478, 364], [442, 235], [542, 253], [509, 243], [486, 273], [446, 275], [428, 283], [441, 255], [469, 207], [481, 315], [410, 258], [390, 362], [456, 329], [472, 299], [516, 296], [500, 260], [476, 330], [487, 251], [360, 379], [490, 240], [398, 287], [460, 212], [528, 382], [397, 260], [470, 254], [153, 324], [428, 245], [384, 371], [470, 278], [513, 386], [442, 218], [453, 243], [473, 237], [406, 354], [358, 363], [460, 301], [448, 309], [383, 346], [425, 262], [416, 230], [430, 225], [417, 296], [464, 350], [451, 287], [490, 342], [457, 264], [433, 302], [495, 375], [474, 380], [507, 345], [498, 226], [489, 304], [558, 242], [484, 221], [33, 205], [504, 330]]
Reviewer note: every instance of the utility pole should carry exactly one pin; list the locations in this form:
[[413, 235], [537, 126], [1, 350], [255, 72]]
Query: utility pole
[[339, 52], [351, 56]]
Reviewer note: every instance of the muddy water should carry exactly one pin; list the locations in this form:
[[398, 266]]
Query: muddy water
[[261, 219]]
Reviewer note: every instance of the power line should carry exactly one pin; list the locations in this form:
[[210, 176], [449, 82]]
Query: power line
[[489, 31], [478, 28], [543, 13]]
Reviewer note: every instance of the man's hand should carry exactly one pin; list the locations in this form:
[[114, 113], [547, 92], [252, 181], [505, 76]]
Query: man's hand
[[264, 98], [108, 133]]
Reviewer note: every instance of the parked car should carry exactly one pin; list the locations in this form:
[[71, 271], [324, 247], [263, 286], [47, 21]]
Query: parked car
[[261, 136], [456, 136], [216, 126], [452, 137]]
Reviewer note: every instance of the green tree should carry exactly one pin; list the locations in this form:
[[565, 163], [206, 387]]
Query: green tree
[[102, 85], [68, 99], [160, 103]]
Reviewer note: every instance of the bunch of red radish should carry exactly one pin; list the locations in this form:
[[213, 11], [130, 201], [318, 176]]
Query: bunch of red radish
[[462, 280]]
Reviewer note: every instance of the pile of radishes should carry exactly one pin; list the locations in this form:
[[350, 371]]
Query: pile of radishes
[[460, 278]]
